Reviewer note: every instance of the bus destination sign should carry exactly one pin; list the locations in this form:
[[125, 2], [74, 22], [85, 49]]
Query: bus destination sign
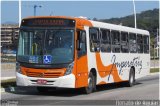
[[48, 22]]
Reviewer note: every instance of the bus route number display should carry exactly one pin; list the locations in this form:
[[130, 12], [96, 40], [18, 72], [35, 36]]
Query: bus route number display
[[44, 22]]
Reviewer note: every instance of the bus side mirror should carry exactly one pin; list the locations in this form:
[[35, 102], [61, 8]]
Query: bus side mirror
[[78, 45], [79, 40]]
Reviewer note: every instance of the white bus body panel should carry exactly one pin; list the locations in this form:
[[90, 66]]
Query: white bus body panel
[[141, 61], [67, 81]]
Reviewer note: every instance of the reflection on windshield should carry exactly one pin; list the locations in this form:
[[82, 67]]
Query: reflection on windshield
[[56, 44], [58, 39], [37, 43]]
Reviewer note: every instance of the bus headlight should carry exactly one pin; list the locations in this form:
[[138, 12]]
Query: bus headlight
[[69, 69], [18, 69]]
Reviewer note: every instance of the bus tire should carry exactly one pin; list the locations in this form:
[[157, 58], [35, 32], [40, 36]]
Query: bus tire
[[91, 84], [131, 80], [42, 89]]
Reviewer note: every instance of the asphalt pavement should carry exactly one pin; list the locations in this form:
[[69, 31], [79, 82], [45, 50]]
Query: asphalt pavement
[[146, 90]]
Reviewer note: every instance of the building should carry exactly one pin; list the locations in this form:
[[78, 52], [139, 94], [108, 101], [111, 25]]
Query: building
[[9, 37]]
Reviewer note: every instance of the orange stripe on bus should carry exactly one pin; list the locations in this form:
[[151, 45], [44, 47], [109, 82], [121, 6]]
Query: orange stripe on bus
[[43, 73], [110, 69], [102, 82], [82, 72]]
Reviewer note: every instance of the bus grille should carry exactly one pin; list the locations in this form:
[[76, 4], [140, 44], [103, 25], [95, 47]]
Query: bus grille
[[44, 75]]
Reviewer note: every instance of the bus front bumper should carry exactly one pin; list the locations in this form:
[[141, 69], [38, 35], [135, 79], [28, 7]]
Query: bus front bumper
[[67, 81]]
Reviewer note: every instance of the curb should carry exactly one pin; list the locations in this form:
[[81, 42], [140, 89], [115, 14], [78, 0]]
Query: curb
[[10, 89], [155, 73], [7, 78], [7, 84], [3, 90], [8, 81]]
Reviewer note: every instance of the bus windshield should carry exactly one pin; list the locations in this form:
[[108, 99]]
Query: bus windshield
[[51, 46]]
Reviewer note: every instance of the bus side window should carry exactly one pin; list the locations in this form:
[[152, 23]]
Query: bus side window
[[124, 42], [105, 40], [115, 41], [146, 44], [139, 43], [132, 43], [94, 39]]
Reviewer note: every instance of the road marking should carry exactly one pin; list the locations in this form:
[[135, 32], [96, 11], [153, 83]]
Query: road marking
[[56, 102]]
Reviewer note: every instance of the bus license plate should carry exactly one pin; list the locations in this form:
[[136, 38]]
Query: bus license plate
[[41, 81]]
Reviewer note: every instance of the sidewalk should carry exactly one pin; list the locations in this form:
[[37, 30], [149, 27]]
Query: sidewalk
[[154, 73], [7, 71], [7, 74]]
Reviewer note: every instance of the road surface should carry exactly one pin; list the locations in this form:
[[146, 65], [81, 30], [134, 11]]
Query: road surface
[[146, 88]]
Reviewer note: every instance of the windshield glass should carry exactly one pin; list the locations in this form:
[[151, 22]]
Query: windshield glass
[[50, 46]]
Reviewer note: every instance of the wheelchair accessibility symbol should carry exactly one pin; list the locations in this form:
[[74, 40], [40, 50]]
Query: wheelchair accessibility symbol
[[47, 59]]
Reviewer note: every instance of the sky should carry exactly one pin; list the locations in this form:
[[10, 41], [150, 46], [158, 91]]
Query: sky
[[89, 9]]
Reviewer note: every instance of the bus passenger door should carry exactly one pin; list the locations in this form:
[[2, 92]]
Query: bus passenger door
[[82, 64]]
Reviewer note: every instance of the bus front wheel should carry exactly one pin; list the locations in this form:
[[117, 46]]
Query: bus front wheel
[[91, 84]]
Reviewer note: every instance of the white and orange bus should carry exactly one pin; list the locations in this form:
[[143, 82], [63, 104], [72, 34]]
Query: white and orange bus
[[59, 51]]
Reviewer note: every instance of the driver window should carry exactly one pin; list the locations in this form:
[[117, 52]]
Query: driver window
[[82, 43]]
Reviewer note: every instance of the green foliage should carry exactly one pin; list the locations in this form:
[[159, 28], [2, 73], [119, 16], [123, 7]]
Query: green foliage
[[147, 20], [153, 70], [8, 59]]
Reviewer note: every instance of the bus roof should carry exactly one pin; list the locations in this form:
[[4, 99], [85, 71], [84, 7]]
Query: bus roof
[[85, 22], [119, 27], [33, 17]]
